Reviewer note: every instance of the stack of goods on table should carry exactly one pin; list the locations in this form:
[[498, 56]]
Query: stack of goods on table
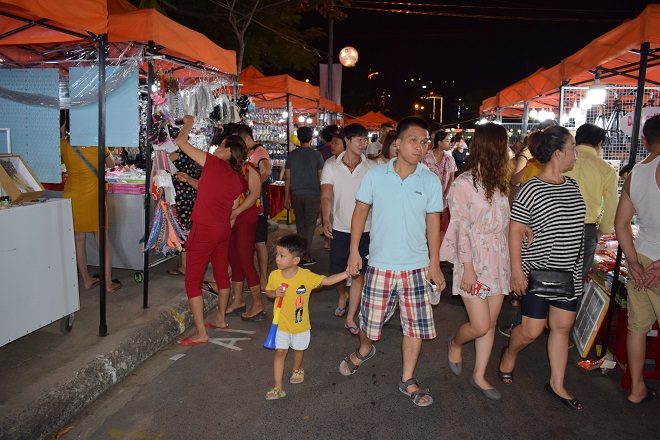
[[126, 180], [604, 262]]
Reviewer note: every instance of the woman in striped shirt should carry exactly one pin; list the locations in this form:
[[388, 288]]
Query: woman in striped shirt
[[552, 205]]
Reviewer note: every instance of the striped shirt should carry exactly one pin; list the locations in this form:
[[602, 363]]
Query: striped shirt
[[555, 212]]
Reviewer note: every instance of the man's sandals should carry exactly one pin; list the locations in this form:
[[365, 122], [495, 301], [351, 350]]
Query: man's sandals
[[352, 368], [416, 395]]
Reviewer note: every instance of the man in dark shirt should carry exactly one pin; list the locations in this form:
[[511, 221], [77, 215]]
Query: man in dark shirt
[[302, 176]]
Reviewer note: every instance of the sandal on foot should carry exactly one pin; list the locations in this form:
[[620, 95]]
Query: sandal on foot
[[207, 286], [298, 376], [569, 403], [651, 394], [275, 393], [340, 311], [354, 330], [416, 395], [352, 368], [505, 377]]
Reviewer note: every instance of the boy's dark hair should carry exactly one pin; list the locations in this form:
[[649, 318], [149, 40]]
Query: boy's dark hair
[[242, 130], [305, 134], [293, 243], [651, 130], [411, 121], [353, 130], [589, 134]]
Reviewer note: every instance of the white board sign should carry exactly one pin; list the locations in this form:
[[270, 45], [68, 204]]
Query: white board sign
[[627, 120], [589, 317]]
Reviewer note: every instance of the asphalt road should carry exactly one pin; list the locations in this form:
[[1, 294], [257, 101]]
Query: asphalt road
[[218, 390]]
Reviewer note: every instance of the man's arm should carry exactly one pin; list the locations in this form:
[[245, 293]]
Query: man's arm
[[326, 208], [610, 196], [624, 214], [358, 222], [287, 187], [433, 237], [264, 169]]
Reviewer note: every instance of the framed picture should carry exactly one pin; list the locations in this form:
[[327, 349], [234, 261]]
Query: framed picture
[[589, 317]]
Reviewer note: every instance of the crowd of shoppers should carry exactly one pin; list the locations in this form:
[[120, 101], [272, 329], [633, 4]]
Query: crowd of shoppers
[[382, 209]]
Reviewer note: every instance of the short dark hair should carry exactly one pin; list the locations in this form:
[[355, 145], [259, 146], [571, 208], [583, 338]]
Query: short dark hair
[[386, 125], [330, 131], [354, 130], [439, 137], [651, 130], [543, 143], [436, 126], [589, 134], [293, 243], [411, 121], [242, 130], [546, 124], [305, 134]]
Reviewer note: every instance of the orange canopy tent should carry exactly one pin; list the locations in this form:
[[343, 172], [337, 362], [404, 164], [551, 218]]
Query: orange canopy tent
[[616, 55], [277, 88], [371, 120], [121, 21]]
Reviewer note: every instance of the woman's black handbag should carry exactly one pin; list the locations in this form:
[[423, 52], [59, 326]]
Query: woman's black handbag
[[550, 282]]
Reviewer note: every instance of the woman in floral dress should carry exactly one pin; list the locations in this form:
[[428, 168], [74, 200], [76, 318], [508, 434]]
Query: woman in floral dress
[[476, 243], [185, 187], [442, 163]]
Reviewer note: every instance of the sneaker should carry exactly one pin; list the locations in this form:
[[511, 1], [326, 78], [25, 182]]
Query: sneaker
[[298, 376], [307, 262], [505, 330], [275, 393]]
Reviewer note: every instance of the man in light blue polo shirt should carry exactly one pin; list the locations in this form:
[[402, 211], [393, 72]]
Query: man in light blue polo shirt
[[406, 202]]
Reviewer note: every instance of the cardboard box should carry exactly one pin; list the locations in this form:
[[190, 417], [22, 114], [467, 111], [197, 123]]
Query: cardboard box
[[17, 190]]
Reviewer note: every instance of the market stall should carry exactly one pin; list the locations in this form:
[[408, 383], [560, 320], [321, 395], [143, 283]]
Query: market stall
[[277, 103], [613, 82], [145, 48]]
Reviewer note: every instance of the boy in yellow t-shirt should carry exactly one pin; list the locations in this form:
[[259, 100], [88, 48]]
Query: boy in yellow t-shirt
[[294, 327]]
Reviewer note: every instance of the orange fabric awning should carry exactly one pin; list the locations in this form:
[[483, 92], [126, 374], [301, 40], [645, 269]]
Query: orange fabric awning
[[144, 25], [371, 120], [276, 88], [93, 13], [615, 54]]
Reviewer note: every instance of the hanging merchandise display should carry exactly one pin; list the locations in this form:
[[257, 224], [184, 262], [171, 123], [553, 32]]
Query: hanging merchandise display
[[166, 236]]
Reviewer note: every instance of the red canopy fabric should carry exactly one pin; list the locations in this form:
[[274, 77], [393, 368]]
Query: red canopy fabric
[[276, 88]]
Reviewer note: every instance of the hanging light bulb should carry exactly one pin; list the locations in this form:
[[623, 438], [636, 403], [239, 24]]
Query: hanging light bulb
[[533, 113], [552, 114], [301, 119], [563, 120], [309, 120], [285, 115], [542, 115], [597, 92], [575, 111], [585, 103]]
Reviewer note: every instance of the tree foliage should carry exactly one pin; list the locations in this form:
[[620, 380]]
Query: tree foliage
[[265, 33]]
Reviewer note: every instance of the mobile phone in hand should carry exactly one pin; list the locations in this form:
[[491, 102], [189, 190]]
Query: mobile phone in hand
[[481, 290]]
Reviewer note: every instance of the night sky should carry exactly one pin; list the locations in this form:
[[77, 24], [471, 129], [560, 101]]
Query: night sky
[[462, 58]]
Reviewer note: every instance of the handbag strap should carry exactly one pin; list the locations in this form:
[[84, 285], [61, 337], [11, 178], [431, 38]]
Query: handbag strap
[[84, 159]]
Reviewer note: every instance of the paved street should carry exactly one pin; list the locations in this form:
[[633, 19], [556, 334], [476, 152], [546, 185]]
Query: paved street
[[217, 391]]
